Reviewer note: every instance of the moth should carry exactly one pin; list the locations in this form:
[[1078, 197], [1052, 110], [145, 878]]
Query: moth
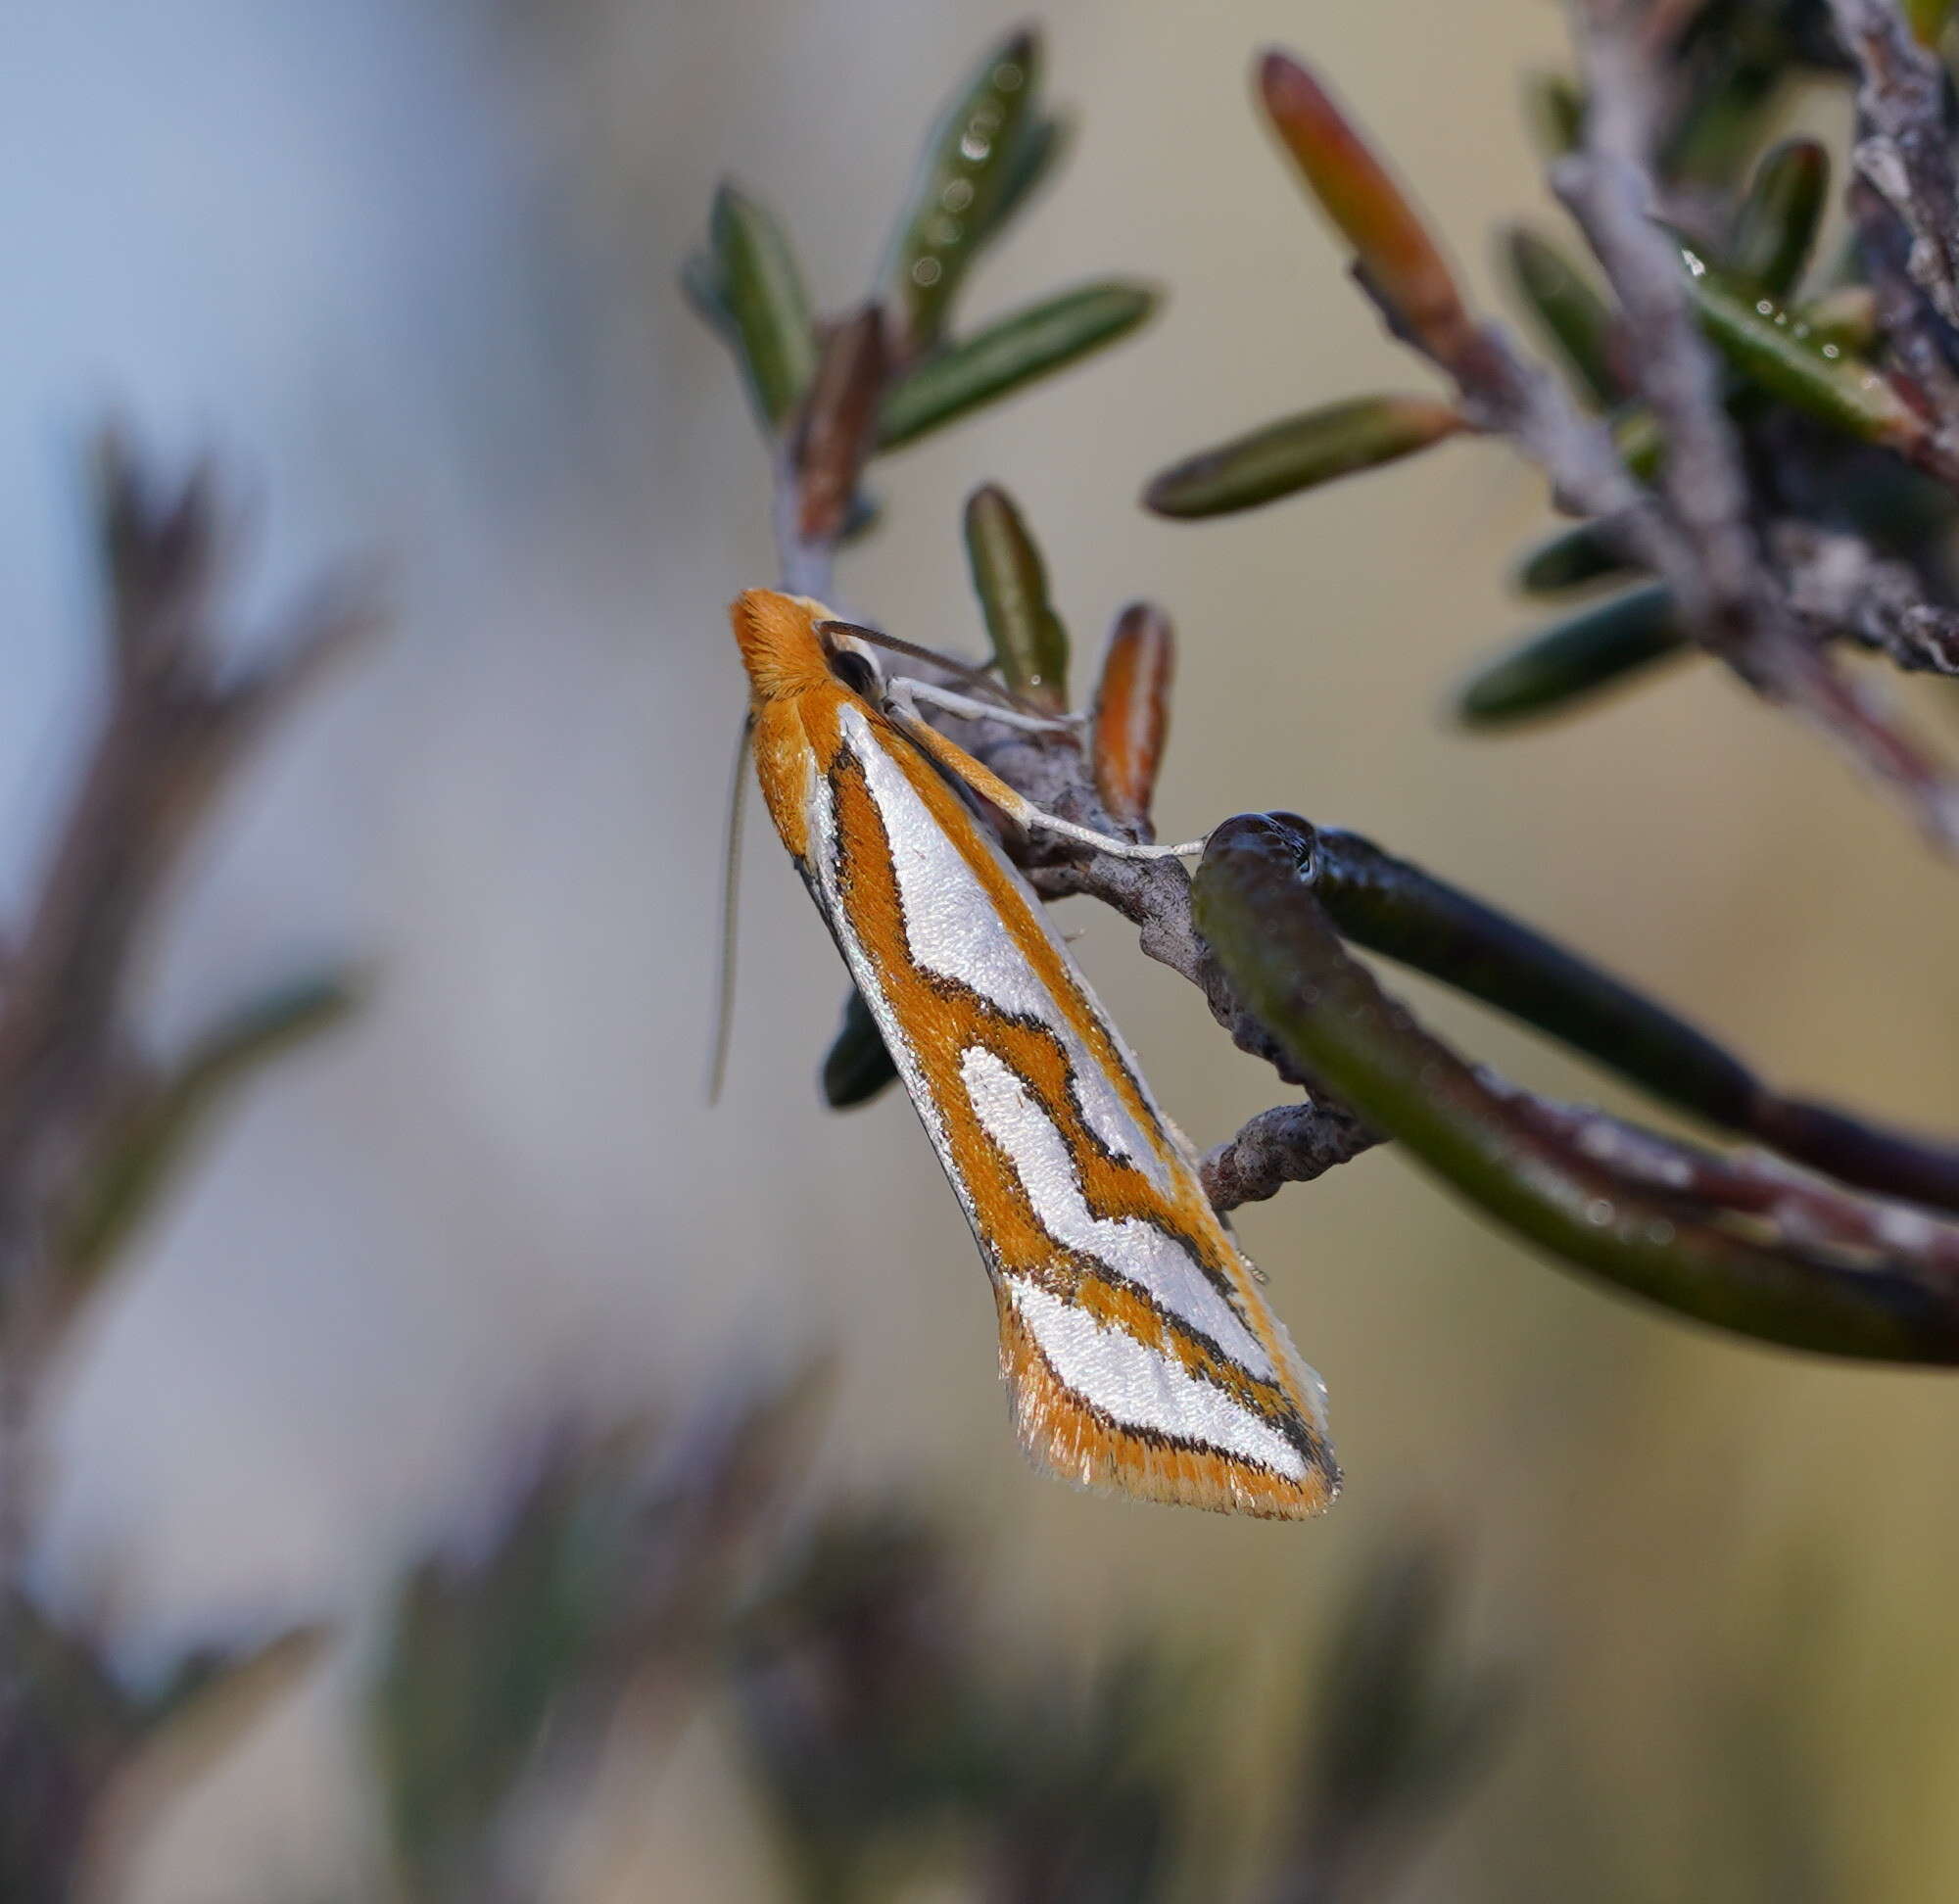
[[1138, 1350]]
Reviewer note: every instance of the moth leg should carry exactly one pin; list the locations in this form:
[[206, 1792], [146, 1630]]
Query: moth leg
[[1039, 820], [995, 791], [911, 693]]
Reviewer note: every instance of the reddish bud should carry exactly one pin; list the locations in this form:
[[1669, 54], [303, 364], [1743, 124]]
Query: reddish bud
[[1399, 262], [1131, 718]]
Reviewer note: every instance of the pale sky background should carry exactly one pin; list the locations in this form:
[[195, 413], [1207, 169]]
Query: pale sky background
[[408, 266]]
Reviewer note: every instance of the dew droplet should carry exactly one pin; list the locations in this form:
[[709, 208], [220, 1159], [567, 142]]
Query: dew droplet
[[1598, 1211], [926, 272], [1659, 1230]]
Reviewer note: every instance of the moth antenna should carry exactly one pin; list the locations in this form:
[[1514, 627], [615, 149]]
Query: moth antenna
[[977, 679], [730, 910]]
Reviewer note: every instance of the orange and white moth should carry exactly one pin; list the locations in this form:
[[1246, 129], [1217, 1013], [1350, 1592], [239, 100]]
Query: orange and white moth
[[1138, 1350]]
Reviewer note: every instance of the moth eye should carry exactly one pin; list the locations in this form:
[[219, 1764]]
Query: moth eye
[[855, 672]]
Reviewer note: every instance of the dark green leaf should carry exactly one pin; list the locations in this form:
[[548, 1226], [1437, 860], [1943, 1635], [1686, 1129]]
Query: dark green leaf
[[1255, 906], [858, 1064], [1569, 559], [1398, 910], [1038, 150], [1723, 119], [1575, 317], [1765, 345], [700, 286], [1555, 111], [1562, 668], [1774, 228], [972, 157], [1009, 354], [758, 284], [1030, 642], [1300, 452]]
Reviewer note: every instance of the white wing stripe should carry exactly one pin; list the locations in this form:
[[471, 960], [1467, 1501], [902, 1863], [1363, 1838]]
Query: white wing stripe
[[954, 930], [870, 983], [1128, 1249], [1139, 1389]]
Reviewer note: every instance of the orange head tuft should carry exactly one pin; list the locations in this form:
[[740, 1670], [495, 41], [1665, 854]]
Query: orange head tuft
[[780, 646]]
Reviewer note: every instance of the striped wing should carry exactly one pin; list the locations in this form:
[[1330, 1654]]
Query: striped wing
[[1138, 1350]]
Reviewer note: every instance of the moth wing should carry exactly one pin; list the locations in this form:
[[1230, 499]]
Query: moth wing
[[1139, 1354]]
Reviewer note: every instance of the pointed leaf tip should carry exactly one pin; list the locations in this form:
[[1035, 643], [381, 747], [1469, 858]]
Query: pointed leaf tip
[[1576, 318], [1555, 111], [1563, 667], [1571, 558], [975, 161], [1776, 226]]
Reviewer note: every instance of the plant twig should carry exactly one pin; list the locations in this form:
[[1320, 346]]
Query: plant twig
[[1291, 1143], [1683, 1229], [1716, 569], [1904, 146], [1843, 588]]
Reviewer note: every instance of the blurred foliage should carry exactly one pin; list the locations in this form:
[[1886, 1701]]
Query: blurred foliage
[[98, 1131], [509, 1658]]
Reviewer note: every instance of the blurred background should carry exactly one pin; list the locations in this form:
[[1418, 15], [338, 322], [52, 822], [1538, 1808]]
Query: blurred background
[[407, 269]]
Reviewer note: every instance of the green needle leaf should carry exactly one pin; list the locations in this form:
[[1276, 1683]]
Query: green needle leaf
[[1569, 559], [1016, 350], [701, 285], [1777, 353], [1300, 452], [1774, 228], [756, 281], [1560, 668], [1555, 113], [1398, 910], [1575, 317], [1038, 148], [975, 161], [1030, 642]]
